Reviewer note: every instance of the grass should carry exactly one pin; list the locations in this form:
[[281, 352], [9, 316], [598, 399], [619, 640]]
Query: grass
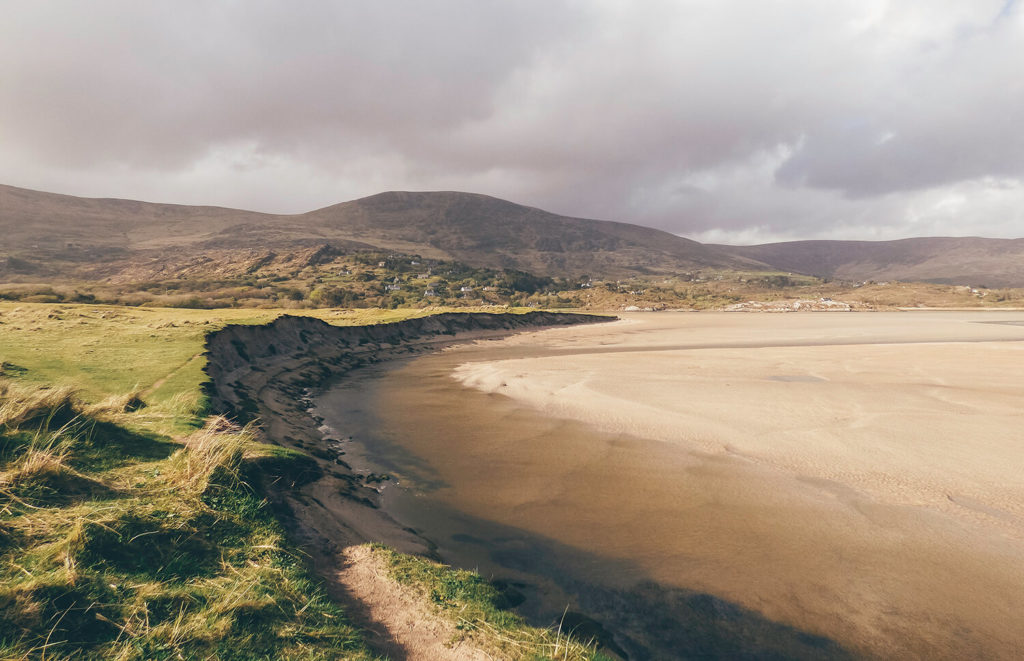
[[480, 612], [144, 548], [108, 351], [131, 523]]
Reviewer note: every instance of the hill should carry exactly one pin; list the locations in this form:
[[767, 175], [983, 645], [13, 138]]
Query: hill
[[47, 232], [944, 260], [49, 236], [486, 231]]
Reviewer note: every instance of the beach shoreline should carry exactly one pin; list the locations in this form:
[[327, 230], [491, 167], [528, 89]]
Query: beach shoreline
[[864, 521]]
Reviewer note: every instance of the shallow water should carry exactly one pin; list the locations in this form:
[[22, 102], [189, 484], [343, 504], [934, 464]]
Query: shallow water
[[649, 474]]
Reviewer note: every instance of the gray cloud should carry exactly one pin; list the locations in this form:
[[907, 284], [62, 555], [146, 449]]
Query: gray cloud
[[721, 120]]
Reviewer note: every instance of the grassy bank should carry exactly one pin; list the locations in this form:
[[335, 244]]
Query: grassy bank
[[109, 350], [479, 610], [121, 544], [130, 526]]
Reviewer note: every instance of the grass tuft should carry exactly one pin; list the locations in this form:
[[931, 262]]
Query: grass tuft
[[40, 407], [43, 476], [213, 455], [115, 405]]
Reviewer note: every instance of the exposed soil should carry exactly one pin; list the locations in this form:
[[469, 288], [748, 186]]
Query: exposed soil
[[400, 623]]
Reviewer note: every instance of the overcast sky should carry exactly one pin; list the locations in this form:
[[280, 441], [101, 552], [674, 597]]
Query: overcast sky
[[725, 121]]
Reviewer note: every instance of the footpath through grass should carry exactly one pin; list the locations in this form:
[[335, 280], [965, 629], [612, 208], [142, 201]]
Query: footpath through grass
[[130, 526], [480, 611]]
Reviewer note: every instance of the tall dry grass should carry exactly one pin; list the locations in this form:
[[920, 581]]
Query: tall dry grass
[[115, 405], [20, 406], [43, 459], [213, 455]]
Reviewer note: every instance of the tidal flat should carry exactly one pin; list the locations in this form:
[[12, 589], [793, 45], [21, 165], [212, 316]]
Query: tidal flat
[[812, 484]]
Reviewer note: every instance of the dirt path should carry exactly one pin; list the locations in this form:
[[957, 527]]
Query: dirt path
[[401, 623], [161, 381]]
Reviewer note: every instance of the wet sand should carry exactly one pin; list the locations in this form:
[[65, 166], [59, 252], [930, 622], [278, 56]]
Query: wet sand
[[854, 476]]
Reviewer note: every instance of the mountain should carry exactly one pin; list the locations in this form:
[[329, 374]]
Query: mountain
[[946, 260], [46, 234], [486, 231], [41, 229]]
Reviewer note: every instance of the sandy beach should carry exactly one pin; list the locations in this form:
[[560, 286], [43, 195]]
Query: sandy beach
[[854, 476], [908, 413]]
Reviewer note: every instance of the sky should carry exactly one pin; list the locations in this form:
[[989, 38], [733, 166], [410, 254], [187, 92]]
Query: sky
[[719, 120]]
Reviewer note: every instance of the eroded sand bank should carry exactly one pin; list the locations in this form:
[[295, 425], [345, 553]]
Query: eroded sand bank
[[857, 476]]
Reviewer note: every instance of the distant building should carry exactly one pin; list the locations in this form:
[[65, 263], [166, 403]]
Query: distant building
[[430, 292], [466, 289], [393, 288]]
